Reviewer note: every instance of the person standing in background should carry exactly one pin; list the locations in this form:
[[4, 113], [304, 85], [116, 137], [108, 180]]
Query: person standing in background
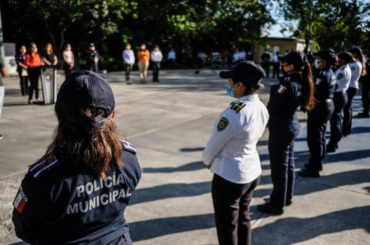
[[68, 60], [156, 57], [128, 61], [22, 70], [276, 65], [343, 75], [171, 58], [318, 118], [49, 58], [3, 73], [34, 64], [143, 56], [92, 58]]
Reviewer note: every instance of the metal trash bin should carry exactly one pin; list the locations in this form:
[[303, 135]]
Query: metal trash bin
[[49, 85]]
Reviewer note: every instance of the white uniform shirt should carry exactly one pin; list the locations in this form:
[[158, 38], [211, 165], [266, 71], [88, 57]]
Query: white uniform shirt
[[171, 55], [343, 75], [231, 151], [128, 57], [356, 69], [156, 56]]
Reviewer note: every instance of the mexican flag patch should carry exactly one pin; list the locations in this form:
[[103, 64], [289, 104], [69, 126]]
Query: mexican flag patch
[[281, 89], [20, 200]]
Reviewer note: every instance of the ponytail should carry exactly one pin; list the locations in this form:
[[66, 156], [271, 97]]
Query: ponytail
[[362, 60], [308, 99]]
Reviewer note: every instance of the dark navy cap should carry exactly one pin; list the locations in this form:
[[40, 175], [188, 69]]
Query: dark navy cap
[[328, 55], [246, 72], [84, 89], [298, 59]]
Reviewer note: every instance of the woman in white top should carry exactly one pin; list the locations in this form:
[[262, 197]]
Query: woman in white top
[[231, 153], [128, 61], [68, 60], [343, 75], [356, 68]]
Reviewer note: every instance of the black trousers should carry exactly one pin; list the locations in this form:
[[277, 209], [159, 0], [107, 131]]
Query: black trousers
[[156, 67], [93, 67], [23, 83], [365, 92], [128, 69], [231, 204], [266, 67], [34, 76], [281, 151], [275, 70], [347, 120], [336, 121], [316, 127]]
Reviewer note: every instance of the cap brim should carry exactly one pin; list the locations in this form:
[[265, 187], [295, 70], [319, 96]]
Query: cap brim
[[226, 74]]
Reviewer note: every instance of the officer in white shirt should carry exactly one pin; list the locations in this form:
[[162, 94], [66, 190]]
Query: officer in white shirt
[[156, 57], [171, 58], [128, 61], [343, 75], [232, 156], [356, 68]]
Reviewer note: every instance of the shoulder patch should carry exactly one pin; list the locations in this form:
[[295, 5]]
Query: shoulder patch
[[222, 124], [340, 76], [20, 200], [281, 89], [127, 146], [237, 107]]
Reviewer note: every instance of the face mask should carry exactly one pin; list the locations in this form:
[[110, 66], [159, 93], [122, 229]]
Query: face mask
[[316, 64], [230, 91]]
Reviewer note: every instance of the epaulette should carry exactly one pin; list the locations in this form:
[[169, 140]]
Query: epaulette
[[40, 168], [237, 107], [127, 146]]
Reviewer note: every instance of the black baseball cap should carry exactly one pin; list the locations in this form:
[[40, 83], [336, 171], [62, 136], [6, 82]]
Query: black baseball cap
[[246, 72], [298, 59], [84, 89], [328, 55]]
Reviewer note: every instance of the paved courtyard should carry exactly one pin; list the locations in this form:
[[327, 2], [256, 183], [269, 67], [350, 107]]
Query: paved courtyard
[[170, 123]]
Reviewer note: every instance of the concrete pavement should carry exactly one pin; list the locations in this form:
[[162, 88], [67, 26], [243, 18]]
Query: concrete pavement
[[170, 123]]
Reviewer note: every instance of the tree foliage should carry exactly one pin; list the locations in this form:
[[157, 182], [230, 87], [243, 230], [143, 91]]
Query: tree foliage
[[183, 24]]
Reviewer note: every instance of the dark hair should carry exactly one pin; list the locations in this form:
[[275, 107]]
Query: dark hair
[[359, 55], [308, 88], [94, 150]]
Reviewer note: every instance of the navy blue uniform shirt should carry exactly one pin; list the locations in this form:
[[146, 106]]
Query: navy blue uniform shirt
[[285, 98], [325, 81], [64, 204]]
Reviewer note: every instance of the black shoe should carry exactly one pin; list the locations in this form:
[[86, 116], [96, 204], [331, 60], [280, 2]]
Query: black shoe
[[288, 203], [270, 209], [331, 148], [307, 166], [309, 173], [362, 115], [1, 136]]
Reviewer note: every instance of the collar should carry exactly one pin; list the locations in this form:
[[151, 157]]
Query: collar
[[249, 97]]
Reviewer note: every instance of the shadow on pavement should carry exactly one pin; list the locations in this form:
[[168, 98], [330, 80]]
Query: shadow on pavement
[[186, 167], [295, 230], [170, 191], [144, 230], [192, 149]]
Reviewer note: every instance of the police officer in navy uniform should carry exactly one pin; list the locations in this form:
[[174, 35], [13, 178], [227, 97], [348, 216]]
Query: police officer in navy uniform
[[78, 192], [343, 75], [318, 118], [295, 90], [231, 153]]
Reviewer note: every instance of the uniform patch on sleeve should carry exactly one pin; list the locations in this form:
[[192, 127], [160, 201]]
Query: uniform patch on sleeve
[[222, 124], [20, 200], [281, 89], [340, 76], [127, 146]]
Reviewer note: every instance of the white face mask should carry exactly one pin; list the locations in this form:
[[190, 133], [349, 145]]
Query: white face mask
[[316, 63]]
